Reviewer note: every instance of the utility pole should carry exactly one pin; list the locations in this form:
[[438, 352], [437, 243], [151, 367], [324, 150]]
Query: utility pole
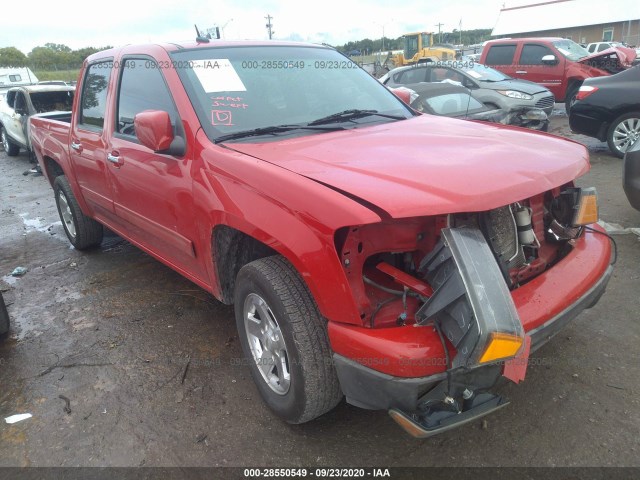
[[269, 26], [439, 25]]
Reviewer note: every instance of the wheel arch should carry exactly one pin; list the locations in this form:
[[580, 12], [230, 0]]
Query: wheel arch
[[234, 245]]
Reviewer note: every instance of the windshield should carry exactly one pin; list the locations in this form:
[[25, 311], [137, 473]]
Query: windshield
[[236, 89], [482, 72], [571, 49]]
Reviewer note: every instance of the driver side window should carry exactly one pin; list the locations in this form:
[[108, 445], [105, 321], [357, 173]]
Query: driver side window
[[142, 87]]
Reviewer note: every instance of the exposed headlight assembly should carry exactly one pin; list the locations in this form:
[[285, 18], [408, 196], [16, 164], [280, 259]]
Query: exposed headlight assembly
[[471, 303]]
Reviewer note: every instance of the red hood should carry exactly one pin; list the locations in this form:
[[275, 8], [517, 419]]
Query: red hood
[[430, 165], [625, 55]]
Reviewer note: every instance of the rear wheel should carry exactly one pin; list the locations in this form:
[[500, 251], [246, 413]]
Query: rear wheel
[[83, 232], [623, 132], [285, 339], [11, 148]]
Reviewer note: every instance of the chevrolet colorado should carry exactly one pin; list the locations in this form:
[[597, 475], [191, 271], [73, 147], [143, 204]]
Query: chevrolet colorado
[[404, 261]]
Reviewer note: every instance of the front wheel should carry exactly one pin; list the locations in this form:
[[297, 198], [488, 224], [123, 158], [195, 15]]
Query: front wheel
[[11, 148], [284, 336], [623, 132], [570, 97], [83, 232]]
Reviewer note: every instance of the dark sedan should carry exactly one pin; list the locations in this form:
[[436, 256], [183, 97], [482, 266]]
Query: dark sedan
[[608, 108]]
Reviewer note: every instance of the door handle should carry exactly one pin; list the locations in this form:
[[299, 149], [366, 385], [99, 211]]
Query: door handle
[[76, 146], [521, 71], [115, 159]]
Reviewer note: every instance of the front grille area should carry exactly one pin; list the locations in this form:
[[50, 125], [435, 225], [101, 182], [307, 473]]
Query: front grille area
[[546, 102]]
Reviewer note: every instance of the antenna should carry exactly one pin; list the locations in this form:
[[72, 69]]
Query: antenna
[[199, 37]]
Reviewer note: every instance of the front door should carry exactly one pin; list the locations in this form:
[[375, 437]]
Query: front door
[[152, 192]]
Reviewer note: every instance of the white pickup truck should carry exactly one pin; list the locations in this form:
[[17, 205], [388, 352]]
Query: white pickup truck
[[19, 103]]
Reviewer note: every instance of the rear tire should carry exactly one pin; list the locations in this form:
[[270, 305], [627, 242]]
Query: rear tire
[[83, 232], [11, 148], [623, 132], [284, 337]]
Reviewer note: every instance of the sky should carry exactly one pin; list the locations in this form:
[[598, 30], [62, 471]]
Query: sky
[[119, 22]]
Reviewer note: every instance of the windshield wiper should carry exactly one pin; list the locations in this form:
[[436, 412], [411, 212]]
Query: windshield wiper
[[351, 114], [272, 130]]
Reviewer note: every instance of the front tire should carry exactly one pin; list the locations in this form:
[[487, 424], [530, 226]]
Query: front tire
[[4, 318], [284, 336], [11, 148], [623, 132], [570, 97], [83, 232]]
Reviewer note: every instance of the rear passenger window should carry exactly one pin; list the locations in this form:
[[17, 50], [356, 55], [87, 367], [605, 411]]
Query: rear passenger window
[[94, 95], [532, 54], [142, 87], [411, 75], [500, 55]]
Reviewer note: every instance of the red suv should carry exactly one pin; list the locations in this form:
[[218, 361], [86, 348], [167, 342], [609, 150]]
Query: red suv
[[559, 64]]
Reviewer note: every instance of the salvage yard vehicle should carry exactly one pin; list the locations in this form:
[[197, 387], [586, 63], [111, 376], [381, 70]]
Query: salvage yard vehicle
[[608, 108], [452, 100], [407, 262], [419, 47], [491, 87], [22, 102], [558, 64]]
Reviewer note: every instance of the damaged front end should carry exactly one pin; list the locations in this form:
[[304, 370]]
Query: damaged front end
[[449, 280]]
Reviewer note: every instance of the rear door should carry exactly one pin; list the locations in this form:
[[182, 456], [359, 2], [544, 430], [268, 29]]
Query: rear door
[[87, 147], [502, 57], [152, 192], [530, 67]]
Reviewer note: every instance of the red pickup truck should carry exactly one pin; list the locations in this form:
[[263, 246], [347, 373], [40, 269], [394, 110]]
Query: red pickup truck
[[405, 261], [559, 64]]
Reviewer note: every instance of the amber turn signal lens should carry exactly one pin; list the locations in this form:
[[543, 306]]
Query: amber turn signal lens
[[501, 345], [587, 209]]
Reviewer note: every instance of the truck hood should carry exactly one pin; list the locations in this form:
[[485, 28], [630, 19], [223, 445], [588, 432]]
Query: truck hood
[[429, 165], [623, 56]]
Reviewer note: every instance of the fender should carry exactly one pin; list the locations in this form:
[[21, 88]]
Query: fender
[[290, 219]]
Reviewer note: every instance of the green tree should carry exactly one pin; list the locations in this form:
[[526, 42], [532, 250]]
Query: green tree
[[12, 57]]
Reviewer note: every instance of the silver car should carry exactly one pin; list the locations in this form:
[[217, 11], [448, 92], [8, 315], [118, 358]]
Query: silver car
[[489, 86]]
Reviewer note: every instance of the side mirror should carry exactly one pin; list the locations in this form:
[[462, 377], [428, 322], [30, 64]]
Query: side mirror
[[153, 129], [549, 60], [402, 94]]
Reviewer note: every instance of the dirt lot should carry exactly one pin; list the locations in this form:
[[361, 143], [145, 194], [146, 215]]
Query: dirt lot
[[150, 365]]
